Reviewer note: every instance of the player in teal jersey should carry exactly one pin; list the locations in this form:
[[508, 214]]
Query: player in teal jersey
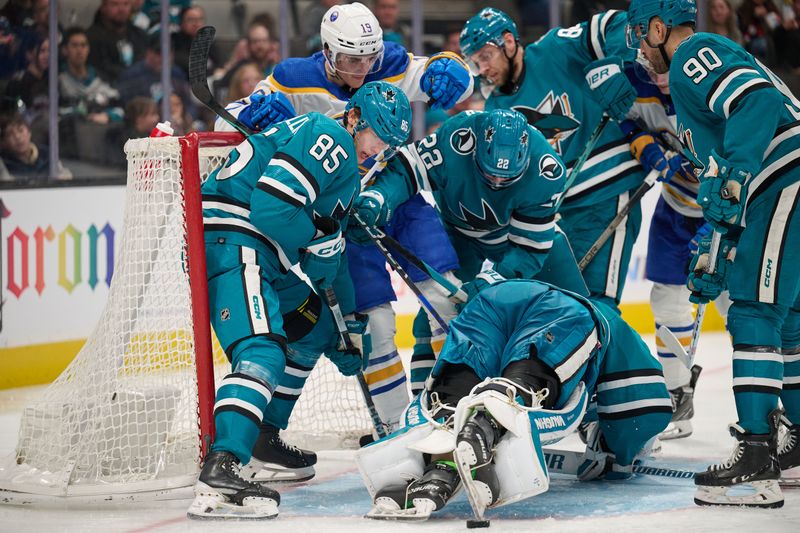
[[495, 180], [736, 114], [280, 199], [547, 82]]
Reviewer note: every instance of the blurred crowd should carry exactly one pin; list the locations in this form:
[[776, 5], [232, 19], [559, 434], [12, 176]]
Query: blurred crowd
[[109, 67]]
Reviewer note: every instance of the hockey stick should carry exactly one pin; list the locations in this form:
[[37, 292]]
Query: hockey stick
[[371, 233], [578, 166], [648, 183], [567, 462], [453, 290], [198, 78], [198, 60], [341, 327], [713, 251]]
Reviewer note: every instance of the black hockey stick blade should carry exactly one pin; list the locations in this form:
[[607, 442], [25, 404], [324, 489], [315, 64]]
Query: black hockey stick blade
[[198, 78]]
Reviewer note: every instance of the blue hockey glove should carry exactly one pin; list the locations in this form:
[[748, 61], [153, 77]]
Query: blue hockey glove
[[320, 258], [265, 110], [721, 193], [610, 86], [652, 155], [706, 287], [485, 278], [351, 363], [445, 79]]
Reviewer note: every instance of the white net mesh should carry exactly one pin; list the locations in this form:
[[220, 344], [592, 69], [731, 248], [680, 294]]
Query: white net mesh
[[123, 417]]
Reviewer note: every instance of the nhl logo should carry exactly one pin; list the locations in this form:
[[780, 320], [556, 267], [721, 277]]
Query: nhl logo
[[550, 168], [462, 141]]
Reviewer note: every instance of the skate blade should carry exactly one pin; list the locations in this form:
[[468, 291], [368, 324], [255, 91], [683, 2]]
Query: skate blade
[[270, 473], [790, 478], [755, 494], [421, 511], [478, 493], [213, 506], [680, 429]]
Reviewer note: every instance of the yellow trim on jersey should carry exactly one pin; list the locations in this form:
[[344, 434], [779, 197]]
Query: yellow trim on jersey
[[648, 100], [299, 90], [390, 371], [680, 197], [448, 55]]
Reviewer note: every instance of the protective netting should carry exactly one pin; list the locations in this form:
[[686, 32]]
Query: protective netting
[[123, 417]]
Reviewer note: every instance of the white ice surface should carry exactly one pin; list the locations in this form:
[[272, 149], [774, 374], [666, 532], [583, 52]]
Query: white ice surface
[[335, 500]]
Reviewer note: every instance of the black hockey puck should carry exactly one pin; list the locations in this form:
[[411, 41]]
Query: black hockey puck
[[474, 524]]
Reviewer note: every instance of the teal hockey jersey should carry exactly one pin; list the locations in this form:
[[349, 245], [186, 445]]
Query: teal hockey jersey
[[275, 183], [553, 83], [522, 214], [728, 101]]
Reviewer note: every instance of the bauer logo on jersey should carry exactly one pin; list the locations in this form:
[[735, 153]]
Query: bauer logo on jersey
[[550, 168], [462, 141]]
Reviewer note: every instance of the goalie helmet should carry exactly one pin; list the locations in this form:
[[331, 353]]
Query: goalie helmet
[[488, 26], [352, 30], [385, 109], [503, 147], [672, 12]]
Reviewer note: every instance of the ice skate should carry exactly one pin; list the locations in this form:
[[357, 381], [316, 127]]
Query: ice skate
[[222, 493], [789, 454], [753, 463], [474, 455], [275, 461], [416, 500], [680, 426]]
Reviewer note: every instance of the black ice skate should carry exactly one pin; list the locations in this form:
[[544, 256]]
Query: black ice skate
[[275, 461], [754, 463], [474, 455], [789, 454], [221, 492], [680, 426], [418, 499]]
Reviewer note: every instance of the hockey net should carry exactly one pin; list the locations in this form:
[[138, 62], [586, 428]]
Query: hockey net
[[132, 414]]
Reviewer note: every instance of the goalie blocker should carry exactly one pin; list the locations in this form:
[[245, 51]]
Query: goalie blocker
[[514, 375]]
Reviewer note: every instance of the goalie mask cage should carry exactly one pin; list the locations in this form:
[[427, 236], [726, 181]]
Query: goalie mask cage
[[132, 416]]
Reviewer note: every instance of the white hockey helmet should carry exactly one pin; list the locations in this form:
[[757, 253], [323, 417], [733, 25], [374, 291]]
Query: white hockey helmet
[[352, 30]]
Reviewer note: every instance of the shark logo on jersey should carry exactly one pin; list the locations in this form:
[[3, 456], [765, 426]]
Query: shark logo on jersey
[[550, 168], [487, 220], [338, 212], [553, 117], [462, 141]]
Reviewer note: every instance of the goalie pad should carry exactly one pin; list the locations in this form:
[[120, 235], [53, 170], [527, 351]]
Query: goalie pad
[[400, 456], [518, 459]]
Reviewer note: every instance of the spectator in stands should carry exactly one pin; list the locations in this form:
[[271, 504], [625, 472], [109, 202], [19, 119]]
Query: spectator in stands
[[180, 119], [260, 50], [22, 157], [583, 9], [138, 17], [116, 43], [243, 82], [451, 41], [191, 20], [84, 98], [758, 19], [722, 20], [144, 77], [12, 50], [17, 11], [141, 116], [30, 85], [388, 12], [787, 37], [310, 21]]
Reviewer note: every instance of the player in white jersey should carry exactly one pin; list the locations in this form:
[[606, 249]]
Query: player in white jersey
[[354, 53]]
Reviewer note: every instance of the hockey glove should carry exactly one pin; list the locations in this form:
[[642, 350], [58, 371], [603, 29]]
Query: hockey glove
[[702, 232], [370, 208], [721, 193], [445, 79], [652, 155], [706, 287], [485, 278], [351, 363], [320, 258], [265, 110], [610, 86]]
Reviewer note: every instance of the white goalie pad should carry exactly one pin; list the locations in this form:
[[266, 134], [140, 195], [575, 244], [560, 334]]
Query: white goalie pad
[[519, 460], [400, 456]]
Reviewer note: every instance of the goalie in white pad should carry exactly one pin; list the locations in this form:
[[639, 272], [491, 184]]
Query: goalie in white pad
[[514, 374]]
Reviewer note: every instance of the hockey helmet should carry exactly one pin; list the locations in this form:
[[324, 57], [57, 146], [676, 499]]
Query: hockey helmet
[[503, 147], [672, 12], [488, 26], [352, 30], [384, 108]]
